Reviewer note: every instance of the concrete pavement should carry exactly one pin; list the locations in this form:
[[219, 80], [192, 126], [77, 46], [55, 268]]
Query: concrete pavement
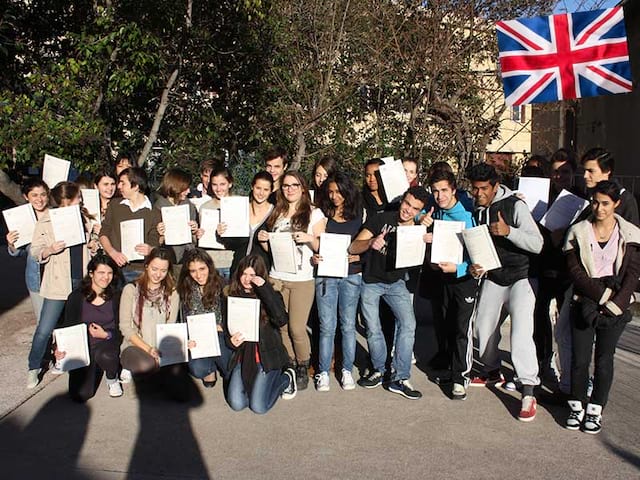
[[359, 434]]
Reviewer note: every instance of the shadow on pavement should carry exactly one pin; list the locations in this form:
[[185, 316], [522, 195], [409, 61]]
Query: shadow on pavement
[[49, 446]]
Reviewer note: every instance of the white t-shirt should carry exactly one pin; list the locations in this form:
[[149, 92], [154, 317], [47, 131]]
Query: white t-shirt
[[303, 251]]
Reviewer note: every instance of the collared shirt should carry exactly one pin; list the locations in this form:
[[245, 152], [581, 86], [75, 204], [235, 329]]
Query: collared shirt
[[145, 204]]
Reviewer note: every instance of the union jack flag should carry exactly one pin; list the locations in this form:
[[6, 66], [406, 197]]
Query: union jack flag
[[565, 56]]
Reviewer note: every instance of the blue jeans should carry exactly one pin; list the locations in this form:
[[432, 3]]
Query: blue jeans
[[49, 316], [338, 297], [267, 387], [398, 298], [201, 367]]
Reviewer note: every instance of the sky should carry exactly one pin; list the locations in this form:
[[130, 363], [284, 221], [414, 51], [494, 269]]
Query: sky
[[582, 5]]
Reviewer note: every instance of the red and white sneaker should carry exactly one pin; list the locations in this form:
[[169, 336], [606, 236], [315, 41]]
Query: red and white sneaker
[[487, 380], [528, 409]]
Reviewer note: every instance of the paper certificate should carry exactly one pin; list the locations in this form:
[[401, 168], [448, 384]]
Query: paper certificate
[[335, 258], [199, 201], [55, 170], [536, 195], [209, 219], [171, 340], [283, 252], [394, 179], [481, 249], [91, 201], [176, 223], [243, 315], [74, 341], [234, 212], [447, 243], [203, 330], [410, 246], [131, 234], [564, 211], [23, 220], [68, 225]]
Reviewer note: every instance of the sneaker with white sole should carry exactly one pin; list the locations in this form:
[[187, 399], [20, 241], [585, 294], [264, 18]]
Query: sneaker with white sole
[[528, 409], [576, 415], [115, 389], [592, 419], [125, 376], [458, 392], [291, 390], [33, 378], [404, 388], [348, 383], [373, 380], [56, 369], [322, 382]]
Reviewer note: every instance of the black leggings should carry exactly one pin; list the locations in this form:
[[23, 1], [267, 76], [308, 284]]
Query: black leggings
[[606, 340], [84, 382]]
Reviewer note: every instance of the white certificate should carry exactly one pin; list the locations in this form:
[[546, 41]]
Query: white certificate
[[564, 211], [176, 223], [394, 179], [55, 170], [91, 201], [199, 201], [243, 315], [131, 234], [335, 258], [209, 219], [74, 341], [410, 246], [536, 195], [171, 339], [480, 246], [68, 225], [23, 220], [283, 252], [234, 211], [447, 243], [203, 330]]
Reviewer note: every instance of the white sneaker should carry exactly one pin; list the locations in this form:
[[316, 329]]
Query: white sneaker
[[322, 382], [56, 369], [115, 389], [33, 378], [292, 389], [348, 383], [125, 376]]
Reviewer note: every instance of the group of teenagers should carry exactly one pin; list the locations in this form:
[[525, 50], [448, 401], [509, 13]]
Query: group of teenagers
[[570, 289]]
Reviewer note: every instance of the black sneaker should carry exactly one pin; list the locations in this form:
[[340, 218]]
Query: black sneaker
[[291, 389], [302, 375], [404, 388], [592, 419], [373, 380]]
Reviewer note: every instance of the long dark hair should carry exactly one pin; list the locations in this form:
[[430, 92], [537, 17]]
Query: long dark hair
[[168, 284], [352, 198], [86, 286], [300, 220], [211, 290], [237, 290]]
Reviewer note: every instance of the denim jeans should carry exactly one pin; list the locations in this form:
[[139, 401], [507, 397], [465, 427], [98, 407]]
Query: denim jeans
[[201, 367], [338, 298], [49, 316], [267, 387], [398, 298]]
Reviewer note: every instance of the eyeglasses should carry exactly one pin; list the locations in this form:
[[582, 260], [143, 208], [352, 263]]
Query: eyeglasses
[[290, 186]]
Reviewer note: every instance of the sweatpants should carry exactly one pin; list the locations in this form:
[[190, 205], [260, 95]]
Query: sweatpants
[[519, 301], [453, 305], [606, 340]]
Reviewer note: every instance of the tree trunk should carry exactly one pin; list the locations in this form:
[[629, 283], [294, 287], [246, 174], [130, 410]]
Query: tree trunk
[[153, 134], [11, 189], [301, 149]]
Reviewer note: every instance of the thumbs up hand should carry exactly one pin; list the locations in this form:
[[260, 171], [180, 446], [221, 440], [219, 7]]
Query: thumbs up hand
[[427, 220], [379, 242], [499, 228]]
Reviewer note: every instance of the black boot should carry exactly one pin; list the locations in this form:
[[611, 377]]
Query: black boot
[[302, 375]]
